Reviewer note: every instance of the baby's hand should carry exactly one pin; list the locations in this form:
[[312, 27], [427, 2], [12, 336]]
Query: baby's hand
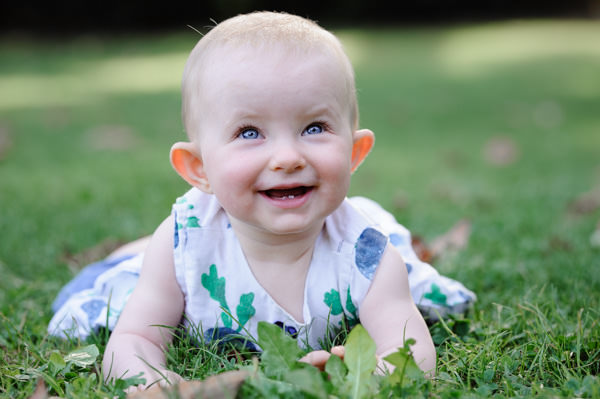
[[319, 358]]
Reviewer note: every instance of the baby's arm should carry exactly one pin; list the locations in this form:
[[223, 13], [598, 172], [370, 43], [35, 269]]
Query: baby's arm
[[390, 315], [137, 344]]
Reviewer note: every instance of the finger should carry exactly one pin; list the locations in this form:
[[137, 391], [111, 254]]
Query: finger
[[316, 358], [339, 351]]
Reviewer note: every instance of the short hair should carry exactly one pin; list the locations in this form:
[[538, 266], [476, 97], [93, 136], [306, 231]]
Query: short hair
[[261, 29]]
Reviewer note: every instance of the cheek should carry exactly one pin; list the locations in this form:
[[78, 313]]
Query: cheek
[[336, 170], [229, 175]]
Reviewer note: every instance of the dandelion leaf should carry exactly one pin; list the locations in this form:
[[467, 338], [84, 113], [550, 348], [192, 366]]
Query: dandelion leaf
[[336, 370], [361, 362], [280, 351]]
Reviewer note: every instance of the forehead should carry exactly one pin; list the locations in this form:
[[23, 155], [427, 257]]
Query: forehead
[[241, 62], [275, 69]]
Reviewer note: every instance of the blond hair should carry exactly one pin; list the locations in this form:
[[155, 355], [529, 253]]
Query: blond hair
[[261, 30]]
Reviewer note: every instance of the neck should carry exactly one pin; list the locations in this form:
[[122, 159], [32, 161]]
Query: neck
[[279, 262]]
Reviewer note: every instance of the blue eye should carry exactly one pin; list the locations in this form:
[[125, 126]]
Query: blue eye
[[249, 134], [314, 129]]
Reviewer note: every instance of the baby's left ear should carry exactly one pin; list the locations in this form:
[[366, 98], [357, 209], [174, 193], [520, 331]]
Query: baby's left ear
[[363, 142]]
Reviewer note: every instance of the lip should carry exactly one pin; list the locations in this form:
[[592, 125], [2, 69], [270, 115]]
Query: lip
[[288, 196]]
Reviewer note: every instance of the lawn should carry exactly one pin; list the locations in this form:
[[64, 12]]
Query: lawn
[[498, 124]]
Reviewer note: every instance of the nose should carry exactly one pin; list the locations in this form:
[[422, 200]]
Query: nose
[[287, 157]]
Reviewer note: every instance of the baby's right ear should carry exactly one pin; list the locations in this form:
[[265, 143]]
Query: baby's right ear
[[187, 161]]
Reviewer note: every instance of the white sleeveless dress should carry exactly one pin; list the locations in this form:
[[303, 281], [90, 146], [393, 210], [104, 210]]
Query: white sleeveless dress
[[224, 300]]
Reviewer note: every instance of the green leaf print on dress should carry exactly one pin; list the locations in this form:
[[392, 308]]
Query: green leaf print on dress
[[349, 305], [332, 300], [334, 303], [192, 221], [245, 310], [436, 295], [215, 285]]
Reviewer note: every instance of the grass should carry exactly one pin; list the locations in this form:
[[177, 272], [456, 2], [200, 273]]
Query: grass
[[434, 97]]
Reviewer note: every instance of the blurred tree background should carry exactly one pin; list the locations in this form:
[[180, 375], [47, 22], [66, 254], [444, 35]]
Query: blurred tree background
[[115, 16]]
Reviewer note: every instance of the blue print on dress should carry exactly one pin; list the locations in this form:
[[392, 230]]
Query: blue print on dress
[[176, 235], [369, 248], [224, 335], [409, 267], [290, 330], [92, 309], [396, 239]]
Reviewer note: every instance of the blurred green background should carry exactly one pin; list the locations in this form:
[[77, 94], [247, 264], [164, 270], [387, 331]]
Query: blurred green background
[[495, 122]]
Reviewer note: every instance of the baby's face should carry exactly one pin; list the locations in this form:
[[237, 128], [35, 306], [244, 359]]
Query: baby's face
[[276, 138]]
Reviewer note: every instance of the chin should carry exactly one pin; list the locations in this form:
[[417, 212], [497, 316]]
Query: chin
[[294, 227]]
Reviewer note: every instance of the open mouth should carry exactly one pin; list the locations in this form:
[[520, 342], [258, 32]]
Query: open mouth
[[287, 193]]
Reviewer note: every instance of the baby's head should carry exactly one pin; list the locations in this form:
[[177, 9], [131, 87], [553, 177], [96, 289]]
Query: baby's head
[[269, 106], [261, 31]]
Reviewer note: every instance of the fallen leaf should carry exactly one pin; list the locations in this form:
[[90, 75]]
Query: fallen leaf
[[500, 151], [421, 249], [558, 244], [453, 240], [112, 137], [447, 192], [585, 203], [224, 385]]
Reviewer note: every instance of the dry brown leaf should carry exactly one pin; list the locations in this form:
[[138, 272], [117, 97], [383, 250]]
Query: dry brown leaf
[[221, 386], [447, 192], [585, 203], [421, 249], [500, 151], [556, 243], [453, 240], [112, 137]]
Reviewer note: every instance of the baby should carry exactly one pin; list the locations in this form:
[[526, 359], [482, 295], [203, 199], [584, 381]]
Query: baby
[[267, 232]]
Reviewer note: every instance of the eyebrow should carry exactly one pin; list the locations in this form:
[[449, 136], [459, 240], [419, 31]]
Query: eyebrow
[[242, 114], [320, 109]]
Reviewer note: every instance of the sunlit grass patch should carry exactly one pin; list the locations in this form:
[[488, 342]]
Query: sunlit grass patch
[[87, 82], [472, 49]]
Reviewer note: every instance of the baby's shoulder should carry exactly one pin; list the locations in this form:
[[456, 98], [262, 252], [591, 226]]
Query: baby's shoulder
[[354, 226], [197, 209]]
